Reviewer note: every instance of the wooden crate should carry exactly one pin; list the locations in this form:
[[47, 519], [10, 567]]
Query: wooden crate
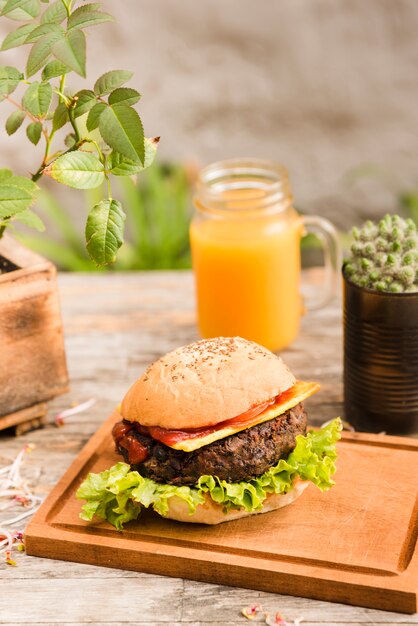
[[32, 358]]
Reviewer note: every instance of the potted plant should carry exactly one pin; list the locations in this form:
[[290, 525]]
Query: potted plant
[[381, 327], [101, 136]]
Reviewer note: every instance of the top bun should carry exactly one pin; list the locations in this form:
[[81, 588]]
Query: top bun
[[205, 383]]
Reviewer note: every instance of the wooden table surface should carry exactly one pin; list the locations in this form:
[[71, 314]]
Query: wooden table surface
[[115, 324]]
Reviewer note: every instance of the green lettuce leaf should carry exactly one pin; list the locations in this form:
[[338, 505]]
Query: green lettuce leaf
[[119, 494]]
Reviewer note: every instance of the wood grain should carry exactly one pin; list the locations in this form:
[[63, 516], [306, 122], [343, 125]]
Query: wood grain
[[323, 546], [114, 325], [32, 366]]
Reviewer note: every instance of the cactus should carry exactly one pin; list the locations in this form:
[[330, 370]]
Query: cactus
[[384, 256]]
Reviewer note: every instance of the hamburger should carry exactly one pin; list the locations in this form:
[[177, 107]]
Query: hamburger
[[211, 432]]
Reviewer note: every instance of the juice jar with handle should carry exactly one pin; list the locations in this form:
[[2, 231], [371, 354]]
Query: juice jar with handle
[[245, 241]]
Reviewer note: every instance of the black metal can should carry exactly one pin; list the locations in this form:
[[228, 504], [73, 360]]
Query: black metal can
[[380, 360]]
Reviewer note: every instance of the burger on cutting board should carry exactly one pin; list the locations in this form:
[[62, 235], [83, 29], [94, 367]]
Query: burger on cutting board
[[211, 432]]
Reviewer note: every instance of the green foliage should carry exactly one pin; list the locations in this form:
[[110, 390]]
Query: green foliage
[[78, 169], [34, 132], [41, 51], [37, 99], [14, 121], [385, 256], [124, 95], [71, 51], [86, 16], [110, 81], [54, 14], [93, 118], [53, 69], [29, 218], [17, 37], [60, 117], [103, 134], [84, 101], [10, 77], [156, 230], [121, 128], [17, 194], [104, 231], [21, 10]]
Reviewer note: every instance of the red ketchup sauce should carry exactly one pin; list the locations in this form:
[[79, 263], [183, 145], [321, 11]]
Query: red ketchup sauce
[[137, 453]]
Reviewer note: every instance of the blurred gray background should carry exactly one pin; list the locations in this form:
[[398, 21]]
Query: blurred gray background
[[323, 86]]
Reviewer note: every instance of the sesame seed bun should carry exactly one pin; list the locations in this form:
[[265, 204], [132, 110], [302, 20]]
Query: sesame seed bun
[[211, 513], [205, 383]]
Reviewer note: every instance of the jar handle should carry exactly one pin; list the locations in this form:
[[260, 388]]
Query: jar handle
[[328, 236]]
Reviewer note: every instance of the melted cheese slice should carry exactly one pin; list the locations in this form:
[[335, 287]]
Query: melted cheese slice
[[299, 392]]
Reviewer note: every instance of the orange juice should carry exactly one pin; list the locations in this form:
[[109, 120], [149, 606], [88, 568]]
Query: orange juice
[[247, 277], [245, 242]]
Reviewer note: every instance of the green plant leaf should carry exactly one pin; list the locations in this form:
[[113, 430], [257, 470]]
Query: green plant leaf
[[124, 95], [14, 121], [5, 174], [10, 77], [121, 128], [34, 131], [104, 231], [71, 50], [13, 199], [17, 37], [77, 169], [70, 140], [21, 10], [87, 8], [93, 118], [42, 30], [37, 99], [60, 116], [53, 69], [23, 183], [29, 218], [41, 51], [54, 14], [88, 18], [85, 100], [121, 166], [110, 81]]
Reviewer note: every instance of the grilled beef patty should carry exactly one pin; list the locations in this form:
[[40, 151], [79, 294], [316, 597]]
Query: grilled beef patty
[[238, 457]]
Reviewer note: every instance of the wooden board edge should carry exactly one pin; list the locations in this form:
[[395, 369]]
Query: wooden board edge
[[218, 568], [392, 441]]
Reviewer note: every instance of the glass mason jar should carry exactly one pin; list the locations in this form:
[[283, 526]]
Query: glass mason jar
[[245, 241]]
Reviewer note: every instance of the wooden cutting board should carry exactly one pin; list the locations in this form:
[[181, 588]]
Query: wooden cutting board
[[355, 544]]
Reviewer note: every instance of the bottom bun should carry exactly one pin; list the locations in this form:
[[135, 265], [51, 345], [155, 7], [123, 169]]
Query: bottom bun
[[211, 513]]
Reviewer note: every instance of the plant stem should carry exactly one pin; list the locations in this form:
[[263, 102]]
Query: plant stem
[[109, 187], [99, 152], [67, 7], [64, 100], [73, 124], [62, 87]]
